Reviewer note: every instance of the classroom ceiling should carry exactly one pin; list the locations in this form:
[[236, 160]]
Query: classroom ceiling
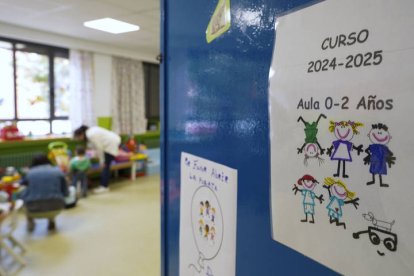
[[66, 17]]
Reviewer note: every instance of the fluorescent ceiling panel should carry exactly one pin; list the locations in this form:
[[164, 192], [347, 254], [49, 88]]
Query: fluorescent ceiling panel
[[111, 26]]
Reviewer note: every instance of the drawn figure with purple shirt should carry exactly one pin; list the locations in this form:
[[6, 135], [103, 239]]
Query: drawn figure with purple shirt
[[341, 149], [378, 152]]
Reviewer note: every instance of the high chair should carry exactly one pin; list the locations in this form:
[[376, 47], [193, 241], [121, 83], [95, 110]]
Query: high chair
[[7, 241]]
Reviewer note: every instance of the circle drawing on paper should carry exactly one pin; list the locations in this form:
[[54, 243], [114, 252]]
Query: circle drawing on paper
[[207, 222]]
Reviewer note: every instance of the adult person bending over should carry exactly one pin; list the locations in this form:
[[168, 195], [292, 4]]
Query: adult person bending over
[[46, 190], [106, 144]]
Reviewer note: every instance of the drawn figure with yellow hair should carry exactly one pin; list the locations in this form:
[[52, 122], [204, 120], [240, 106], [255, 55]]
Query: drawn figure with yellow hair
[[201, 223], [344, 132], [338, 193]]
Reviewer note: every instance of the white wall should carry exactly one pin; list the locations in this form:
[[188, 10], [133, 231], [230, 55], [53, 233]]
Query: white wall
[[102, 79]]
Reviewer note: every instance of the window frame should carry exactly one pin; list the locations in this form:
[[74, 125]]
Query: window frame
[[149, 77], [51, 52]]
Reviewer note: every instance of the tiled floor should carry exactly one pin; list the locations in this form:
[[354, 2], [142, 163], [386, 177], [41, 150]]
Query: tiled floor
[[117, 233]]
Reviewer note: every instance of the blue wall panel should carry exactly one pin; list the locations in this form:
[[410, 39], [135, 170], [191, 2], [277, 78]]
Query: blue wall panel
[[215, 101]]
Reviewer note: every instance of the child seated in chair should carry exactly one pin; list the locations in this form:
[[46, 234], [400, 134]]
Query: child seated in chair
[[79, 166], [45, 191]]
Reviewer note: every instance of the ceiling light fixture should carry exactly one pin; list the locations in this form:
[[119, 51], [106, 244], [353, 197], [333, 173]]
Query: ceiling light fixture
[[111, 26]]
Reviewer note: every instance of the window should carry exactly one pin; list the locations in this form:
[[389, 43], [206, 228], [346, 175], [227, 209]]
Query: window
[[34, 85], [6, 81]]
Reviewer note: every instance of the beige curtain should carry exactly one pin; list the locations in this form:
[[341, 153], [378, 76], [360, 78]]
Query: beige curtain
[[81, 88], [128, 96]]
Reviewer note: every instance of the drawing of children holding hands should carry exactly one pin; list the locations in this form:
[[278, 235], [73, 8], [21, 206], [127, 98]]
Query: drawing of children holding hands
[[206, 221]]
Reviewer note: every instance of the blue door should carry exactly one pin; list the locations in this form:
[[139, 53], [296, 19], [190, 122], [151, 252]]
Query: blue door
[[215, 105]]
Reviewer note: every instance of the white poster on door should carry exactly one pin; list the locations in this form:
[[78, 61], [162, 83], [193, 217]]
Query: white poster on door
[[342, 149], [208, 211]]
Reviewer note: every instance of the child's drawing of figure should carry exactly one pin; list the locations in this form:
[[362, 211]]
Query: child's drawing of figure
[[207, 206], [338, 193], [201, 224], [201, 208], [311, 147], [379, 155], [213, 214], [308, 184], [341, 148], [212, 233], [311, 151], [206, 231]]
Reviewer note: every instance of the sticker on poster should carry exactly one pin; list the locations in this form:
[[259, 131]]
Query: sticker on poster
[[340, 102], [207, 217], [220, 22]]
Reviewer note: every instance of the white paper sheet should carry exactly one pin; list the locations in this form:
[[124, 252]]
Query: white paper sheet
[[350, 64], [208, 217]]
